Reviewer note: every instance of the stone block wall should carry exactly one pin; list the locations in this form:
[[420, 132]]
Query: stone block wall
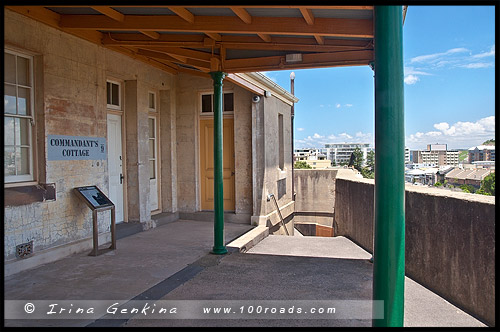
[[70, 95]]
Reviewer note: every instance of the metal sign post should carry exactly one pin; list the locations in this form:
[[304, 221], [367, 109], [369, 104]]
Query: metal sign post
[[97, 201]]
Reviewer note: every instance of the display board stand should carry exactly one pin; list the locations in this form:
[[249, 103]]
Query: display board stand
[[97, 201]]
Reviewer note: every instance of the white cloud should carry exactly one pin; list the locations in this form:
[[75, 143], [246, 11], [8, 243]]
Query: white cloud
[[411, 79], [321, 105], [338, 105], [316, 135], [433, 57], [462, 134], [478, 65], [300, 129], [348, 105], [486, 54]]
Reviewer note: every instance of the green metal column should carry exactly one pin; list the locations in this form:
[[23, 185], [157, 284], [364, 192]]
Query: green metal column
[[219, 248], [389, 242]]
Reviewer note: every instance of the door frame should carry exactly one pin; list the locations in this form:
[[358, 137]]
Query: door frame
[[124, 159], [156, 116], [207, 116]]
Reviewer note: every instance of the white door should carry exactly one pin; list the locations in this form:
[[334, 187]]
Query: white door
[[153, 164], [115, 164]]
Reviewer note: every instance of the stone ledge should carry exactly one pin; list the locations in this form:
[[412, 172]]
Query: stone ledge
[[249, 239]]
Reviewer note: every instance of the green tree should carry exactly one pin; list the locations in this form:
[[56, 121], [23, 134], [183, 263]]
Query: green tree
[[438, 184], [468, 188], [302, 164], [358, 159], [334, 163], [489, 142], [488, 185], [370, 160]]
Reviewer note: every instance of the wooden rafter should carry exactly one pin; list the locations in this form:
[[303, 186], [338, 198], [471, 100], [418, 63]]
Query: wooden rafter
[[265, 37], [308, 15], [214, 36], [202, 65], [109, 12], [192, 54], [308, 61], [183, 13], [152, 34], [335, 27], [242, 14]]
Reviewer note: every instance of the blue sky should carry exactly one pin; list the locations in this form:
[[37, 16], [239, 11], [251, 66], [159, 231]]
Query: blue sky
[[449, 60]]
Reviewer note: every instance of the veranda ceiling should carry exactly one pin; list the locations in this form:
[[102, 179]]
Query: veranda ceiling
[[233, 39]]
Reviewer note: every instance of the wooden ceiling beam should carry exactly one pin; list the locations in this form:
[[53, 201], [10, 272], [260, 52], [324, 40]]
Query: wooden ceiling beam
[[159, 55], [308, 15], [337, 27], [242, 14], [319, 39], [308, 60], [133, 54], [214, 36], [183, 13], [52, 19], [109, 12], [152, 34], [265, 37], [191, 54]]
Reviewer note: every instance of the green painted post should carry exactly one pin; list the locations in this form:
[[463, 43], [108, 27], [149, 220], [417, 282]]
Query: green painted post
[[389, 241], [219, 248]]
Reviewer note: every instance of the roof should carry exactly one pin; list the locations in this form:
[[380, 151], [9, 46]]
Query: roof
[[482, 147], [469, 174], [233, 39]]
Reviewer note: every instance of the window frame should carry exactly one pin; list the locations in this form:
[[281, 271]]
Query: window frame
[[113, 106], [31, 177], [211, 113]]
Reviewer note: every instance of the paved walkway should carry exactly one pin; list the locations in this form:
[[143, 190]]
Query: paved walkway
[[172, 263]]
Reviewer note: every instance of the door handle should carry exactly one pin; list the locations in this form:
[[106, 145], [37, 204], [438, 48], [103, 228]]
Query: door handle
[[121, 178]]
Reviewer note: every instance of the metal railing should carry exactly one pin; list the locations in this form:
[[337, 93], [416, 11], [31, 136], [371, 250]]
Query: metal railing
[[278, 209]]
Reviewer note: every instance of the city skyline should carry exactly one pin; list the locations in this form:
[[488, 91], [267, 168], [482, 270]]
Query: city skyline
[[449, 76]]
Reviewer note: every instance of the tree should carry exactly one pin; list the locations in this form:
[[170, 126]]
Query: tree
[[302, 164], [488, 185], [438, 184], [370, 160], [468, 188], [358, 159], [489, 142]]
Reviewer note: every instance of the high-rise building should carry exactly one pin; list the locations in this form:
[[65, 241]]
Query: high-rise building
[[437, 154], [340, 153]]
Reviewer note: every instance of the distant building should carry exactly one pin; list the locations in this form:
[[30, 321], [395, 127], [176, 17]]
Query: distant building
[[407, 155], [473, 177], [313, 157], [482, 153], [340, 153], [437, 154]]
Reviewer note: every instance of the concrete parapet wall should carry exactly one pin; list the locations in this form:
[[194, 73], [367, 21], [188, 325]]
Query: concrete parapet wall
[[315, 199], [450, 239]]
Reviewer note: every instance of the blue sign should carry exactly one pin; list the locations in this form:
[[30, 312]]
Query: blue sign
[[76, 148]]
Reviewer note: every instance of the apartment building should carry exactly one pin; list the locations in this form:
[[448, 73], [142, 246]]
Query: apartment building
[[341, 152], [482, 153], [437, 154]]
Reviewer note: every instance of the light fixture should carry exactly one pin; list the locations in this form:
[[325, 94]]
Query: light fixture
[[292, 75], [296, 57]]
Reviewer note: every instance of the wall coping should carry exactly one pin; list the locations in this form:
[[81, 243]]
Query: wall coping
[[350, 175]]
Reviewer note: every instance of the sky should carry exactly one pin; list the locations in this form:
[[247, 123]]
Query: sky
[[449, 67]]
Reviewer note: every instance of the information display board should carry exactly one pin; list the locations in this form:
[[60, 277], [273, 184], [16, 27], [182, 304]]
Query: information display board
[[94, 197]]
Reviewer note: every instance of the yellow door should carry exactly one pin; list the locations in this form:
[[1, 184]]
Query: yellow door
[[207, 164]]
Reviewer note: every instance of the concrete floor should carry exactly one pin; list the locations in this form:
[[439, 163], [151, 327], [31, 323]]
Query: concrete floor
[[172, 262]]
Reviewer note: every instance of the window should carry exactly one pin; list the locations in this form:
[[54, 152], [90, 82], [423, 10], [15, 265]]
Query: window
[[152, 102], [18, 117], [281, 142], [113, 95], [207, 103]]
